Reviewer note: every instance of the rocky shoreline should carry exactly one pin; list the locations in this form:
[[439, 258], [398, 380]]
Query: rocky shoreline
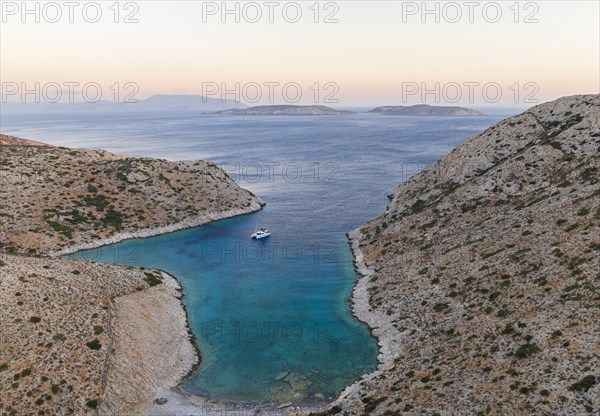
[[173, 324], [167, 229], [359, 305], [146, 323], [478, 280], [107, 326]]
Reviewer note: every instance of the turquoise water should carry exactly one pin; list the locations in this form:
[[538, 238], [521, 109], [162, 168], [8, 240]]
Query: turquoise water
[[271, 317]]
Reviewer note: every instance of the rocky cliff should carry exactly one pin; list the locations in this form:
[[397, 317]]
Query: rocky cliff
[[481, 279]]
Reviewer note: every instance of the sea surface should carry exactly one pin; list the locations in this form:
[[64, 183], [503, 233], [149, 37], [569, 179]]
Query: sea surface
[[271, 317]]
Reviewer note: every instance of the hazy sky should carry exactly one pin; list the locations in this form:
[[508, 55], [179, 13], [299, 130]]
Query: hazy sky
[[377, 53]]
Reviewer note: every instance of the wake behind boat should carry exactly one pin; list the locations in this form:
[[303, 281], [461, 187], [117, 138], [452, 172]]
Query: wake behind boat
[[262, 233]]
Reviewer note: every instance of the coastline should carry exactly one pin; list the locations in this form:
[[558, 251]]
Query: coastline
[[165, 229], [144, 324], [165, 381], [359, 306]]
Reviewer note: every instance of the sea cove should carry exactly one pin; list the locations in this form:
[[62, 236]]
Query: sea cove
[[271, 318]]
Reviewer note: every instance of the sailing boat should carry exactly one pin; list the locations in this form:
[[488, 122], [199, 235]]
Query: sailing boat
[[262, 233]]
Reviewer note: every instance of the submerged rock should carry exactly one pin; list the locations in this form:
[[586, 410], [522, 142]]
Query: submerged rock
[[282, 375], [161, 400]]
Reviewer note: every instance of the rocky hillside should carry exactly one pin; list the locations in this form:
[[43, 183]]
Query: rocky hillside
[[482, 278], [425, 110], [55, 197], [79, 337], [61, 349]]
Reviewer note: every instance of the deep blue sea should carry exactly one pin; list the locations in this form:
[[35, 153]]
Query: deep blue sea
[[271, 317]]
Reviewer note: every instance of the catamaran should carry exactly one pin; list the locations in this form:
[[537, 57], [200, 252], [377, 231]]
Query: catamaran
[[262, 233]]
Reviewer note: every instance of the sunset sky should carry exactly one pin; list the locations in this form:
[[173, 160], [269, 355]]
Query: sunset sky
[[374, 51]]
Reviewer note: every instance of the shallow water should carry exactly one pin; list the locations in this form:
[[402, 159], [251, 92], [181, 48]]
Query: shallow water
[[271, 317]]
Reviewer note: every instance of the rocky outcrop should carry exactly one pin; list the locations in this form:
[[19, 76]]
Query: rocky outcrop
[[425, 110], [481, 279]]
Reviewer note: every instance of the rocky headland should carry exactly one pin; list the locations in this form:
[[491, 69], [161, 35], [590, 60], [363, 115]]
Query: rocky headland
[[80, 337]]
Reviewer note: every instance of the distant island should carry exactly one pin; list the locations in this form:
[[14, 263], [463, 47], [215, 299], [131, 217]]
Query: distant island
[[285, 110], [158, 102], [425, 110]]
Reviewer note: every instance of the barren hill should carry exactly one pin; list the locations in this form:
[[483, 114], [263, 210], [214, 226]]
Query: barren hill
[[79, 337], [55, 197], [482, 278]]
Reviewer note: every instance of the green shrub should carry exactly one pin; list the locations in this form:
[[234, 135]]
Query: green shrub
[[152, 279], [418, 206], [92, 404], [333, 411], [35, 319], [527, 350], [60, 228], [59, 337], [584, 384], [94, 345], [440, 307], [98, 201], [583, 211], [372, 403], [113, 218]]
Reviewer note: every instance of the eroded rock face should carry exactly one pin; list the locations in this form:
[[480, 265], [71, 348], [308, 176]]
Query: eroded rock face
[[481, 279]]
